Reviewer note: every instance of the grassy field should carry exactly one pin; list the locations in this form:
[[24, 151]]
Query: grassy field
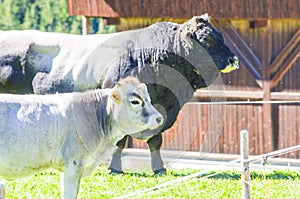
[[273, 185]]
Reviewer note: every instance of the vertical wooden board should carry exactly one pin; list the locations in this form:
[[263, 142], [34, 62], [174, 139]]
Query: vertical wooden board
[[221, 122], [194, 142], [198, 141], [190, 135], [240, 109], [259, 144], [250, 128], [228, 135], [298, 130], [280, 127], [255, 128], [227, 131], [235, 132], [171, 135], [288, 128], [203, 129], [284, 130], [184, 129], [139, 144]]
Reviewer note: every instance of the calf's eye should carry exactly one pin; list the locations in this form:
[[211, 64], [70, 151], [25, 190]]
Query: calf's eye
[[135, 102]]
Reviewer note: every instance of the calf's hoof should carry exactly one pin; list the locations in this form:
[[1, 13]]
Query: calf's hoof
[[161, 171], [115, 172]]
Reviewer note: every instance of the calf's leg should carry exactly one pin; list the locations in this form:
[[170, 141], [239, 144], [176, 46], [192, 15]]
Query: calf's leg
[[157, 163], [71, 180], [116, 163]]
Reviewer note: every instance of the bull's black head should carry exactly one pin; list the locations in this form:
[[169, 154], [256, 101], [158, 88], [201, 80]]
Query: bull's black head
[[200, 34]]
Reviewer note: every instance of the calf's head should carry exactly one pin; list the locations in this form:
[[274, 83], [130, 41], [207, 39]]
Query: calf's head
[[132, 108]]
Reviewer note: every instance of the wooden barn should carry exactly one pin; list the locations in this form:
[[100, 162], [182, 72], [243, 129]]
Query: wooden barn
[[263, 96]]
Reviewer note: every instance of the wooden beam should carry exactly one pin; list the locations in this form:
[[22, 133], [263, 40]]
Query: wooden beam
[[86, 25], [245, 95], [266, 138], [227, 94], [286, 65], [242, 50], [112, 21], [286, 96], [258, 23], [289, 47]]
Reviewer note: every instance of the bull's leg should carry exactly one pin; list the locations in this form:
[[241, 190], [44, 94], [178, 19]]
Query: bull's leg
[[71, 180], [116, 163], [157, 164]]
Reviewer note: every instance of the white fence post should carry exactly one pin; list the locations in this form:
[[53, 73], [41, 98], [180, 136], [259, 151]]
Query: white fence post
[[2, 190], [244, 140]]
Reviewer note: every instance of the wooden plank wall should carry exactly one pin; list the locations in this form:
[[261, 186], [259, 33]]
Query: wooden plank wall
[[185, 9], [215, 128]]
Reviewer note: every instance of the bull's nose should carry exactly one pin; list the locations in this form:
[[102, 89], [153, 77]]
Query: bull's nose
[[233, 60], [233, 63], [159, 120]]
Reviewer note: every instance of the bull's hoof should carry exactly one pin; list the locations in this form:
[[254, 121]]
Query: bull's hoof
[[161, 171], [115, 172]]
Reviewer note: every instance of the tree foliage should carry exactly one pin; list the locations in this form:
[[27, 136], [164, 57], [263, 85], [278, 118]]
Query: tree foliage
[[44, 15]]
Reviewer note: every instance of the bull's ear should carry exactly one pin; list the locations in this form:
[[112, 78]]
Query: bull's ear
[[143, 87], [116, 97], [202, 19], [186, 38]]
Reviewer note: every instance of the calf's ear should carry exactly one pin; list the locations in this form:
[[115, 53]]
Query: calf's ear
[[143, 87], [116, 97]]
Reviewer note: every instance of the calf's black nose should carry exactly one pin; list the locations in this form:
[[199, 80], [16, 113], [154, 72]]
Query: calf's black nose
[[159, 120]]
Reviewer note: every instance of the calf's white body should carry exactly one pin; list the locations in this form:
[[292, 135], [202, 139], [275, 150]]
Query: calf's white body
[[70, 132]]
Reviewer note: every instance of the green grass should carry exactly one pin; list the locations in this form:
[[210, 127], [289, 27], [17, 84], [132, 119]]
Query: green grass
[[273, 185]]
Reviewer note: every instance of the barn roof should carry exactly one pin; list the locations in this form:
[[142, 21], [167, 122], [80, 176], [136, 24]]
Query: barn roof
[[263, 9]]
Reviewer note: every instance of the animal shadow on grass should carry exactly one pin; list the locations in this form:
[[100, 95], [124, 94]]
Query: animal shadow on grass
[[274, 175], [143, 174], [232, 175]]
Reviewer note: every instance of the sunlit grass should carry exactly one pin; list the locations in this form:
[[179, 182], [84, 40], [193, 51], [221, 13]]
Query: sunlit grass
[[276, 184]]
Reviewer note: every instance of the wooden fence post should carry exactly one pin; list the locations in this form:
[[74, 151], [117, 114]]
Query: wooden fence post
[[2, 190], [244, 140]]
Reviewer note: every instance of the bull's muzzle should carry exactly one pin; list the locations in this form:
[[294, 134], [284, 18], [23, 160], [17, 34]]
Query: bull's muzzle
[[233, 64]]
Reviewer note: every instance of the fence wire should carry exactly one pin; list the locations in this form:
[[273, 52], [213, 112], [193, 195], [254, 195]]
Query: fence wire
[[244, 102], [201, 174]]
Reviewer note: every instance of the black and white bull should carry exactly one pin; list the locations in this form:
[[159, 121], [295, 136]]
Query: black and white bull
[[172, 59]]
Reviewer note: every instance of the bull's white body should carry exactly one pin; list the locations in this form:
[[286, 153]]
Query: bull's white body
[[69, 52], [69, 132]]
